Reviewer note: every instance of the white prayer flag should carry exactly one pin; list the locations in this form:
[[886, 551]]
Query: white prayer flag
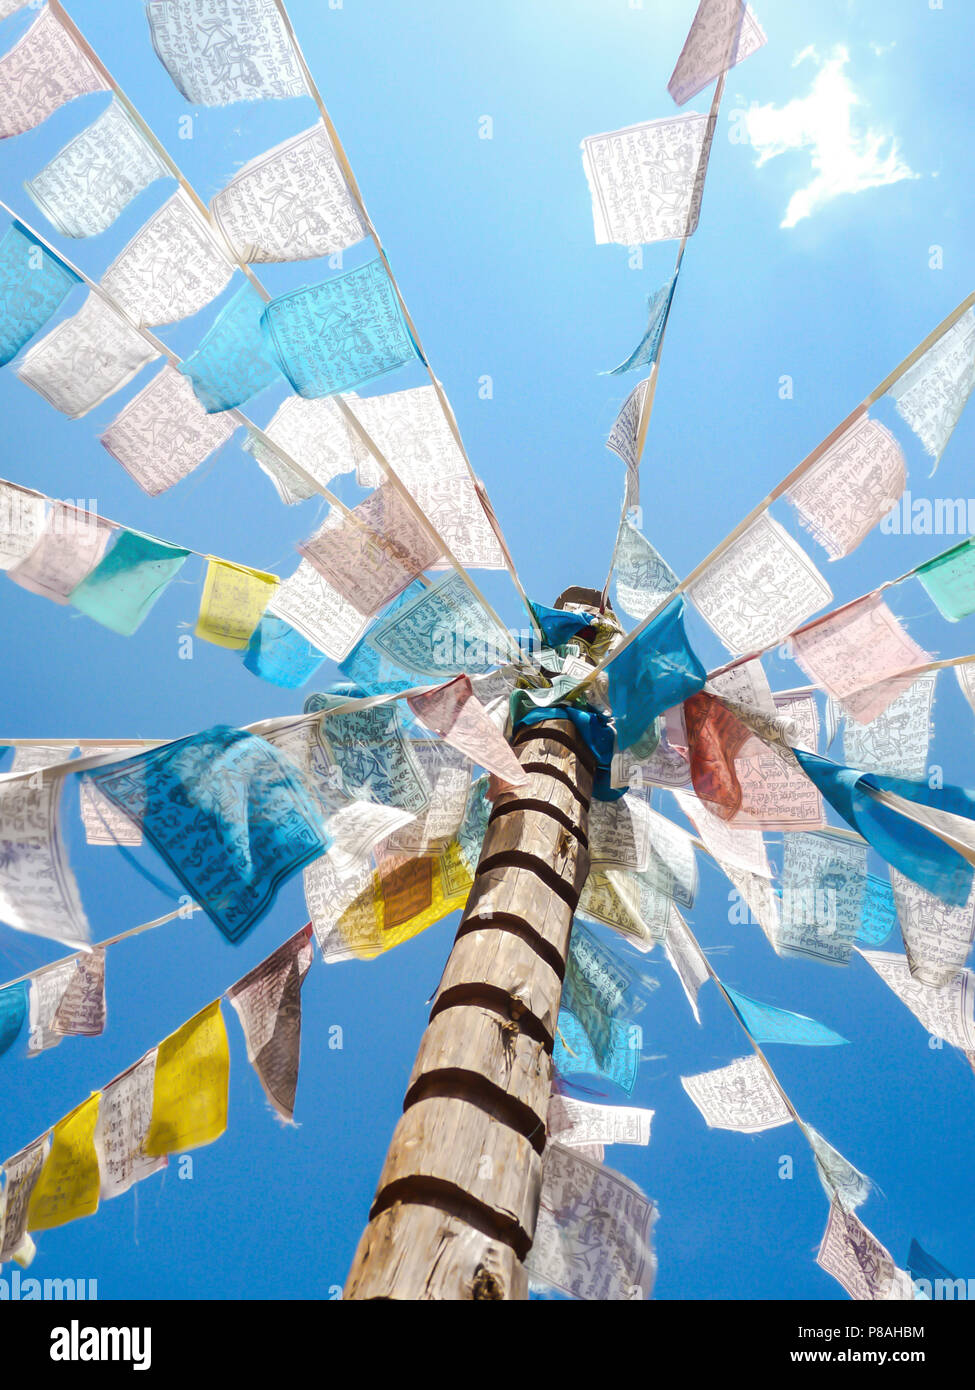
[[319, 612], [222, 51], [723, 34], [291, 204], [38, 892], [97, 174], [945, 1012], [170, 269], [316, 435], [85, 359], [43, 70], [851, 488], [647, 181], [124, 1116], [67, 1000], [932, 394], [741, 1097]]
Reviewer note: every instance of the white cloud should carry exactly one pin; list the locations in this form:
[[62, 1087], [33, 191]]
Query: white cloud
[[844, 159]]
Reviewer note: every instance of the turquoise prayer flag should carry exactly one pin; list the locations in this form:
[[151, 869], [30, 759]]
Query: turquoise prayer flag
[[655, 672], [278, 653], [574, 1055], [950, 581], [368, 669], [33, 284], [645, 352], [13, 1011], [767, 1024], [232, 362], [915, 851], [230, 815], [559, 626], [878, 912], [123, 587], [341, 333]]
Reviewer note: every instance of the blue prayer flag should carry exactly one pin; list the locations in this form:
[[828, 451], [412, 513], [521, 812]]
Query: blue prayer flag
[[766, 1024], [574, 1054], [559, 626], [878, 912], [278, 653], [229, 814], [914, 851], [232, 362], [339, 334], [645, 352], [33, 284], [655, 672], [921, 1265], [13, 1011]]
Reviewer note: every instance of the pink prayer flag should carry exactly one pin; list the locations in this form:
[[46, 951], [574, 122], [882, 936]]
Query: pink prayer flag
[[42, 71], [455, 713], [70, 547], [853, 653], [723, 34], [851, 488], [372, 553]]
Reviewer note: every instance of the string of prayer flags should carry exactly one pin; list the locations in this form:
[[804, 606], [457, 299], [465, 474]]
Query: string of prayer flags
[[759, 589], [234, 599], [416, 436], [945, 1012], [656, 671], [373, 552], [313, 433], [949, 580], [104, 823], [38, 892], [191, 1083], [229, 814], [290, 204], [857, 1260], [841, 1182], [319, 612], [455, 713], [69, 1183], [34, 282], [44, 70], [340, 333], [280, 654], [163, 433], [855, 652], [232, 362], [643, 577], [268, 1003], [741, 1096], [577, 1123], [68, 1000], [124, 585], [895, 743], [222, 51], [594, 1231], [13, 1012], [645, 352], [172, 268], [906, 838], [575, 1055], [85, 359], [93, 179], [824, 879], [402, 900], [932, 394], [851, 488], [71, 545], [124, 1117], [443, 631], [937, 936], [723, 34], [20, 1178], [767, 1024], [646, 181]]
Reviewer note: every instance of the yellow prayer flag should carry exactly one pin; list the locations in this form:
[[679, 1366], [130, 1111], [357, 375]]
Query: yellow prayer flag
[[69, 1183], [234, 597], [404, 901], [189, 1095]]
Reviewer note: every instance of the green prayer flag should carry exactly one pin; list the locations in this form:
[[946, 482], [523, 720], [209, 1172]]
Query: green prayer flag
[[950, 581], [121, 589]]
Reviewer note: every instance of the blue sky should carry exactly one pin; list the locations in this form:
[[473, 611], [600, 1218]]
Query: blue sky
[[493, 245]]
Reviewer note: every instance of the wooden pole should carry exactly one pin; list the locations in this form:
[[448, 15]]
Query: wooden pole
[[455, 1209]]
